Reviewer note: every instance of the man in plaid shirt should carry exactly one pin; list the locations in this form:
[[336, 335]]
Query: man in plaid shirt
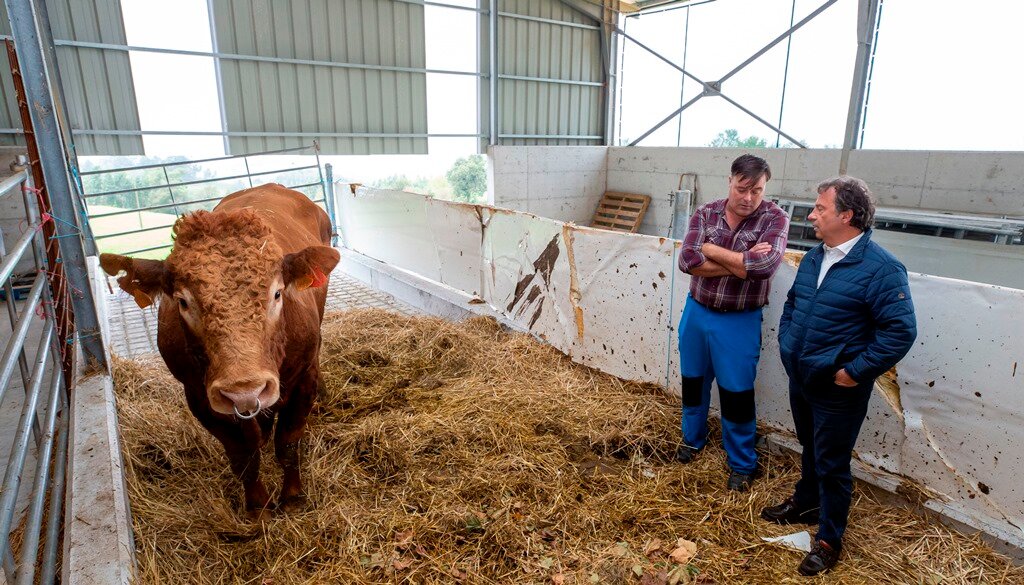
[[731, 250]]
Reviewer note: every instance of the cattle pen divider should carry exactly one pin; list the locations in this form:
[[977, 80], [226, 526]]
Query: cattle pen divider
[[40, 437], [180, 201]]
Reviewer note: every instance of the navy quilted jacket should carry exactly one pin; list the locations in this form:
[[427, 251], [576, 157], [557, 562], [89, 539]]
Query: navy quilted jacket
[[861, 318]]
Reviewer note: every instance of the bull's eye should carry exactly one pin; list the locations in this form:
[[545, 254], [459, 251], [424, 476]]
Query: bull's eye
[[277, 296], [183, 304]]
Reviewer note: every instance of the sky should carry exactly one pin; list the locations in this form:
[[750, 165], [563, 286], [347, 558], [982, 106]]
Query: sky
[[946, 77]]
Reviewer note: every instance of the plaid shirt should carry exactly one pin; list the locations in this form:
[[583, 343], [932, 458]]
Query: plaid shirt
[[769, 223]]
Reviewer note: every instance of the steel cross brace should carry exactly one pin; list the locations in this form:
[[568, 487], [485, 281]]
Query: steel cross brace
[[714, 88]]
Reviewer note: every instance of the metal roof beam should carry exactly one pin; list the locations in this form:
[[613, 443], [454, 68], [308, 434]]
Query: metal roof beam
[[714, 88], [867, 24]]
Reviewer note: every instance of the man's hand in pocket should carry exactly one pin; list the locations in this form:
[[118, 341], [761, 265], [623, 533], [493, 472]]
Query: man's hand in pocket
[[843, 379]]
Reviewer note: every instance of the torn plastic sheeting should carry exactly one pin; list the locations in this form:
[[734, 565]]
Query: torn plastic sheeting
[[949, 423], [526, 262], [961, 392], [457, 235], [391, 226], [615, 271], [568, 284]]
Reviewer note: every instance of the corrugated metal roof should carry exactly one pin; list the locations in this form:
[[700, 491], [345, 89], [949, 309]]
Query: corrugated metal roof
[[97, 83], [530, 48], [287, 97]]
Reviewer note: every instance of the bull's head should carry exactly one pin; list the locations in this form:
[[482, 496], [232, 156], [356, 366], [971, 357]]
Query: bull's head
[[229, 281]]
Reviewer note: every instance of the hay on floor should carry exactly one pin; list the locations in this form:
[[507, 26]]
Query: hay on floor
[[442, 453]]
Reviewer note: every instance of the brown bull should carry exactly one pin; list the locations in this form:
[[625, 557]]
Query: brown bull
[[242, 298]]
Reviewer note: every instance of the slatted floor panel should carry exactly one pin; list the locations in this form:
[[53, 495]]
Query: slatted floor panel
[[133, 330]]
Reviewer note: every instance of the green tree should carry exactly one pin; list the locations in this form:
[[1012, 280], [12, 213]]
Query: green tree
[[394, 183], [439, 187], [731, 139], [468, 179], [147, 187], [403, 183]]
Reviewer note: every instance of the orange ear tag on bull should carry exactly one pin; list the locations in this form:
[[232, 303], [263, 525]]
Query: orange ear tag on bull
[[319, 278], [316, 278]]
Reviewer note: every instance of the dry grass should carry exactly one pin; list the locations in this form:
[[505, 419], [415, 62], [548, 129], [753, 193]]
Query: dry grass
[[444, 453]]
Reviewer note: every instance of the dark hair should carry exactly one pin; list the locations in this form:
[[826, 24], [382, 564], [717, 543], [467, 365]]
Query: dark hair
[[852, 194], [751, 167]]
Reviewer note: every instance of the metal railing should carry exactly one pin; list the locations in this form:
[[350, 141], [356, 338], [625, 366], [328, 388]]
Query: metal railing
[[154, 205], [998, 230], [41, 433]]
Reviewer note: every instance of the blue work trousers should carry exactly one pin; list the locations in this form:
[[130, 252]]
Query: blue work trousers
[[723, 347]]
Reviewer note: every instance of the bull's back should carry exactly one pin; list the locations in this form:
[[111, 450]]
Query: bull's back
[[295, 221]]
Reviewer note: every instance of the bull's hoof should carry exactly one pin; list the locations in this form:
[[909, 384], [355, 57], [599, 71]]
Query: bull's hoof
[[293, 504], [260, 514]]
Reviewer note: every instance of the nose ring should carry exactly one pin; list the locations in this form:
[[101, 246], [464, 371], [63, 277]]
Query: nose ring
[[248, 415]]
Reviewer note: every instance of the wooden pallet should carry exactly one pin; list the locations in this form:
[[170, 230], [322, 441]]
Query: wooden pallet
[[621, 212]]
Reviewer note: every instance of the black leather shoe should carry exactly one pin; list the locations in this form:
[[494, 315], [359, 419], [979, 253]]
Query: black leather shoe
[[740, 482], [686, 453], [821, 558], [788, 513]]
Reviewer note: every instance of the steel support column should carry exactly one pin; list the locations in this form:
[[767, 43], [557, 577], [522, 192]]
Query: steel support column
[[220, 81], [610, 53], [330, 203], [40, 85], [867, 19], [492, 71]]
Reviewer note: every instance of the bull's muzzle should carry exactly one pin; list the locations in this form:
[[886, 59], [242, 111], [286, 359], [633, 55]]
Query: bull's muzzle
[[244, 397]]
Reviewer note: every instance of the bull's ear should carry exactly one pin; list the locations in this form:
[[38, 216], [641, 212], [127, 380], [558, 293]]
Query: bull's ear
[[310, 267], [143, 279]]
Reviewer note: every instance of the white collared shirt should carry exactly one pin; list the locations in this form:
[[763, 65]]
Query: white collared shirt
[[834, 254]]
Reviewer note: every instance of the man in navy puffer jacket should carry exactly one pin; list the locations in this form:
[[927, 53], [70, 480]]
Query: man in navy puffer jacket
[[848, 319]]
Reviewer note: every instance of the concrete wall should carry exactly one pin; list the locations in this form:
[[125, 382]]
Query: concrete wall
[[558, 182], [99, 546], [565, 183], [965, 182]]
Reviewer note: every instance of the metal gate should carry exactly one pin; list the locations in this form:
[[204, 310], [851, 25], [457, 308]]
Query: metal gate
[[40, 436], [137, 219]]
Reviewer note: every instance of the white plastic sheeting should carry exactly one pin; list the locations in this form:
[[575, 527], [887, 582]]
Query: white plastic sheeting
[[948, 422]]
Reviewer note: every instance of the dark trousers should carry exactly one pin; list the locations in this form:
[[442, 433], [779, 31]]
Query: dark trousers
[[828, 419]]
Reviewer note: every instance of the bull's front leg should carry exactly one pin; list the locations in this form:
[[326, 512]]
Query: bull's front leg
[[291, 426], [241, 440]]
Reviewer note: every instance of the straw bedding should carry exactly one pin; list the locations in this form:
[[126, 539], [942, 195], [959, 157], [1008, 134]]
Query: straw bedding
[[444, 453]]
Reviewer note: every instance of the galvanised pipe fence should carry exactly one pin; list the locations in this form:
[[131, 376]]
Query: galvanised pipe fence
[[131, 209], [30, 514]]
